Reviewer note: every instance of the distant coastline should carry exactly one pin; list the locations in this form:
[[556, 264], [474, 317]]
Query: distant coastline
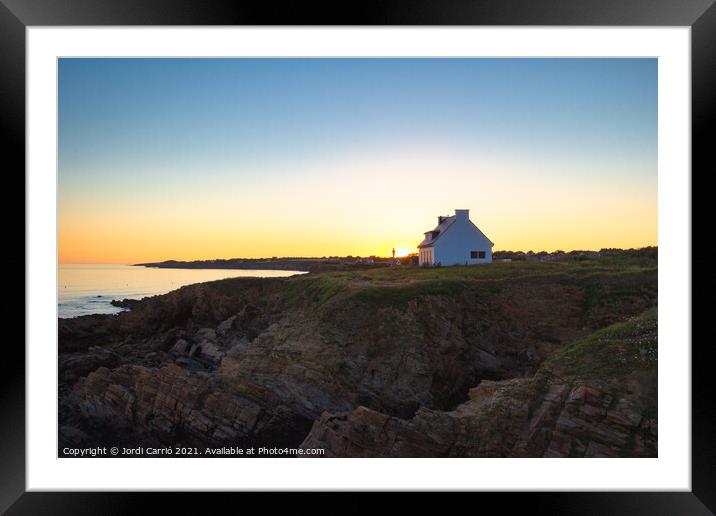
[[307, 264], [281, 264]]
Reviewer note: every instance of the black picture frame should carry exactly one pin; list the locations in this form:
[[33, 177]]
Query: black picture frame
[[700, 15]]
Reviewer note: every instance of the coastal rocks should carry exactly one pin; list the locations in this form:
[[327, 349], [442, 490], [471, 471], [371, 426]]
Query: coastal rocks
[[204, 334], [430, 351], [594, 398], [226, 326], [206, 346], [500, 420], [359, 433], [181, 347], [125, 303], [73, 366], [189, 308], [201, 352], [164, 401], [174, 401], [207, 350], [81, 333], [592, 425], [251, 321], [398, 369], [289, 364]]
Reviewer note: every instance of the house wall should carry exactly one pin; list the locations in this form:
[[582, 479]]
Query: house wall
[[425, 256], [454, 246]]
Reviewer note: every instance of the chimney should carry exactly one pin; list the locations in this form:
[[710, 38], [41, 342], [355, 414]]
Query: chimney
[[462, 214]]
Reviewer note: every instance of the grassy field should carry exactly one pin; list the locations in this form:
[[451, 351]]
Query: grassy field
[[498, 270], [396, 285]]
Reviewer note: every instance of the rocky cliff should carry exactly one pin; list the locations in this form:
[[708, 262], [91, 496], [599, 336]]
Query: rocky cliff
[[488, 361], [595, 398]]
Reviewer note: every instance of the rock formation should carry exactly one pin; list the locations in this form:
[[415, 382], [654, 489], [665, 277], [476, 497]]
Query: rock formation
[[458, 362], [558, 412]]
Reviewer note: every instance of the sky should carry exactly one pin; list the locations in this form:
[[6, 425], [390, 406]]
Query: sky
[[192, 159]]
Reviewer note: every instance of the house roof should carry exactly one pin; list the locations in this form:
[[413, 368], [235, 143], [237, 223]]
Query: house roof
[[437, 232], [440, 230]]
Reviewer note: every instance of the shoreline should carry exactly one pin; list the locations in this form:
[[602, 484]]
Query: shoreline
[[91, 290], [485, 343]]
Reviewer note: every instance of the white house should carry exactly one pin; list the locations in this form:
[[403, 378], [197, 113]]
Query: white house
[[455, 241]]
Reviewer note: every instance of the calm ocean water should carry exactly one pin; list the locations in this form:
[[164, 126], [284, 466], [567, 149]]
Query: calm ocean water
[[88, 289]]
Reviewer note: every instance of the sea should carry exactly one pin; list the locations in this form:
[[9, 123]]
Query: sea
[[85, 289]]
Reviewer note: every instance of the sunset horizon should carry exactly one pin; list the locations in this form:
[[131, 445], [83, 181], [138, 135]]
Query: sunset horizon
[[198, 159], [399, 253]]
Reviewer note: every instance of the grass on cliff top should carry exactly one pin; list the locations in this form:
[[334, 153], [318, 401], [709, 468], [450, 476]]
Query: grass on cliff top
[[612, 352], [395, 286], [496, 270]]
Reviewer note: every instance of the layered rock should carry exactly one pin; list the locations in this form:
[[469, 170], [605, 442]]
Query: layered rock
[[176, 405], [566, 422], [378, 368], [556, 413]]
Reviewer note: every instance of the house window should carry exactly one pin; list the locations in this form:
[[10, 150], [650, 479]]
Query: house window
[[481, 254], [474, 255]]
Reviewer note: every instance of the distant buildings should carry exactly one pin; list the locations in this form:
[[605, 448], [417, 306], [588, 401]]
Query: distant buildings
[[455, 241]]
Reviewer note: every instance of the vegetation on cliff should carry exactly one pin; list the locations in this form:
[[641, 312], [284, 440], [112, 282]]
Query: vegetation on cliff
[[249, 360], [594, 397]]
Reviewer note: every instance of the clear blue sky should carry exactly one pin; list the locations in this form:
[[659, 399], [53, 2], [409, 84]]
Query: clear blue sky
[[133, 129]]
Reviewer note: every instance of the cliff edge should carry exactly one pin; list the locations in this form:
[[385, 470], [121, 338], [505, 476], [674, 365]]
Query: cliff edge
[[511, 359]]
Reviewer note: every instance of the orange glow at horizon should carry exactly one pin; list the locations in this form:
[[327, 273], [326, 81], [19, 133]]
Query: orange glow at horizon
[[365, 208], [198, 159]]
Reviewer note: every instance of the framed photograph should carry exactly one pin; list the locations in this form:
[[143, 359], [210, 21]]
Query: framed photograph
[[420, 248]]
